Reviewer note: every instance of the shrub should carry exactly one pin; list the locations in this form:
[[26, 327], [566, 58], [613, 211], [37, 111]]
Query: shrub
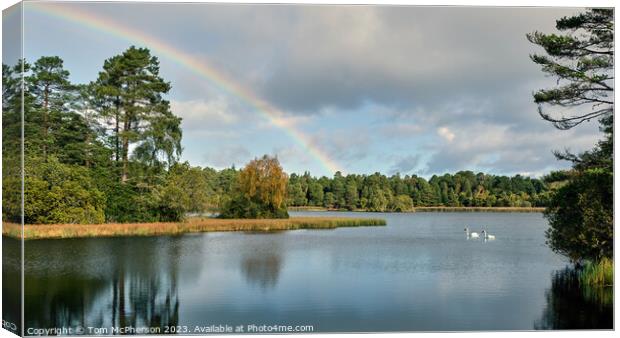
[[60, 193], [580, 216]]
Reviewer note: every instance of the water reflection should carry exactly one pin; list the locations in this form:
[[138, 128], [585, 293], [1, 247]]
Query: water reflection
[[62, 301], [262, 270], [416, 274], [11, 284], [261, 259], [570, 306], [114, 292], [145, 300]]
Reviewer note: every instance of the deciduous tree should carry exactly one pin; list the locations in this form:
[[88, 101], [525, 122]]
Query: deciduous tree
[[260, 191]]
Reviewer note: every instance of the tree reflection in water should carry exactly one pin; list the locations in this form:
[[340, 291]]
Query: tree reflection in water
[[144, 301], [11, 283], [263, 270], [109, 292], [571, 306], [261, 263]]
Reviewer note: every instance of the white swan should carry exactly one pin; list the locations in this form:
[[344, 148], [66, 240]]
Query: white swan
[[471, 234], [486, 235]]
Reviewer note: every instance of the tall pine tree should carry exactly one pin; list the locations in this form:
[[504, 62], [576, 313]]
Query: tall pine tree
[[131, 90]]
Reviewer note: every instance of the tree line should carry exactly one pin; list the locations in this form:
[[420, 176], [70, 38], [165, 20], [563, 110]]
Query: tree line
[[108, 151], [95, 152], [378, 192]]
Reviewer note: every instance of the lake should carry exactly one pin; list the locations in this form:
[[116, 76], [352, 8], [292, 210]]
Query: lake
[[418, 273]]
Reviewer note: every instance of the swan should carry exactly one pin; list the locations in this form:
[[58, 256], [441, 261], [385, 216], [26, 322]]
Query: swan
[[486, 235], [471, 234]]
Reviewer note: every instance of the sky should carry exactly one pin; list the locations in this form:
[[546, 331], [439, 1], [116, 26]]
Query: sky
[[361, 89]]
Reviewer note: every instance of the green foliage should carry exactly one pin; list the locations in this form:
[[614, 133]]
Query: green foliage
[[114, 145], [259, 191], [582, 60], [402, 203], [580, 209], [581, 216], [186, 190], [126, 204], [60, 193], [128, 93], [98, 136], [598, 273], [568, 293], [11, 140], [378, 192]]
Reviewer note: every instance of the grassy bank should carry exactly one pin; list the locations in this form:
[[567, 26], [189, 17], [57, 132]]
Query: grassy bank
[[434, 209], [44, 231]]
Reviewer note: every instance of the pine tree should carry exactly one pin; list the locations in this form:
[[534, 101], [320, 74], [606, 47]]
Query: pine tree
[[582, 60], [51, 88], [580, 213], [131, 92]]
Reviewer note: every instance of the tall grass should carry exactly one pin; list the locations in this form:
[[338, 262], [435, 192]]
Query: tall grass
[[191, 225], [599, 273]]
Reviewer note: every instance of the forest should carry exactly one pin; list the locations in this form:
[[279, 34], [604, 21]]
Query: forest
[[109, 150]]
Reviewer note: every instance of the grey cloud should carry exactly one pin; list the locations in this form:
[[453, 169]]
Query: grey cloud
[[407, 55], [406, 165], [466, 69], [304, 58], [348, 146], [226, 156], [11, 35], [500, 149], [292, 154]]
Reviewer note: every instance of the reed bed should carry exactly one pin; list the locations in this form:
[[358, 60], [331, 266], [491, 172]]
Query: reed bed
[[51, 231], [599, 273]]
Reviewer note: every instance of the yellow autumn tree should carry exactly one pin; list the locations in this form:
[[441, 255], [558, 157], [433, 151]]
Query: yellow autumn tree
[[260, 191]]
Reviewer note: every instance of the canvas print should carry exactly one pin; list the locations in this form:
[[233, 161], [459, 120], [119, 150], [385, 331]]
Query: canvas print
[[222, 168]]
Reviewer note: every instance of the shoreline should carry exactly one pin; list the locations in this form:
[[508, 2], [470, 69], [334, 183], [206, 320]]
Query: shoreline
[[428, 209], [196, 225]]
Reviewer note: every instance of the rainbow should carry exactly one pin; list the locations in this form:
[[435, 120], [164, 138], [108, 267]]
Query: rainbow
[[201, 67]]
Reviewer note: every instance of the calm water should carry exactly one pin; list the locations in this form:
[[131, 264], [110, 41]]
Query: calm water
[[419, 273]]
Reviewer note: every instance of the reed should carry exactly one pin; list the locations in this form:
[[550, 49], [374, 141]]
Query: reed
[[599, 273], [51, 231]]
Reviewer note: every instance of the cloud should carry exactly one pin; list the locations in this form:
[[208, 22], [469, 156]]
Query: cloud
[[305, 58], [403, 54], [501, 149], [446, 134], [292, 154], [402, 130], [405, 165], [228, 155], [349, 146], [389, 88], [200, 114], [285, 121]]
